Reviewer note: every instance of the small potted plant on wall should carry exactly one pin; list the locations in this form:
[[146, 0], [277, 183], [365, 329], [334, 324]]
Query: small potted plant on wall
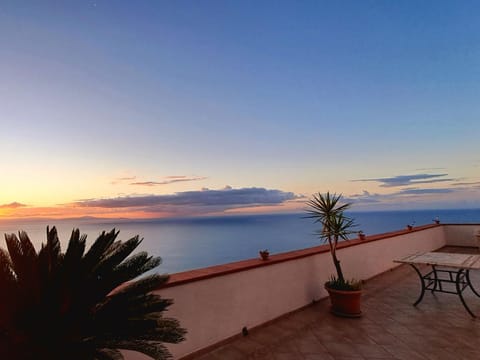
[[264, 254], [327, 210], [361, 235]]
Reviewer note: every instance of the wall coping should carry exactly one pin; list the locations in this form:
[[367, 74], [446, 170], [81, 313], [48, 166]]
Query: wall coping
[[189, 276], [462, 224]]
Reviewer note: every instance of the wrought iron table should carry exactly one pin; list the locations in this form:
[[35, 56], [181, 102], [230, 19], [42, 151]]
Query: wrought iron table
[[447, 268]]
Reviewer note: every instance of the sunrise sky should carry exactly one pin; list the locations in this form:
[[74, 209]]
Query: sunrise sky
[[173, 108]]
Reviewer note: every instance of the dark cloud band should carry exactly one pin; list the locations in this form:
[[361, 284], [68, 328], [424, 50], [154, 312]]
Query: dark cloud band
[[225, 198], [423, 191], [171, 180], [405, 180]]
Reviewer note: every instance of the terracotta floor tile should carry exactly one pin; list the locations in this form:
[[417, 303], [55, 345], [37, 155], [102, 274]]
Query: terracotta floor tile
[[357, 337], [401, 352], [209, 356], [286, 347], [468, 354], [261, 356], [370, 351], [286, 356], [397, 329], [269, 335], [327, 333], [383, 338], [342, 349], [322, 356], [442, 354], [228, 352], [310, 346], [248, 346]]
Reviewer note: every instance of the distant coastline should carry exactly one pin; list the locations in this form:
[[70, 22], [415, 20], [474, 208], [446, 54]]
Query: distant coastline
[[201, 218]]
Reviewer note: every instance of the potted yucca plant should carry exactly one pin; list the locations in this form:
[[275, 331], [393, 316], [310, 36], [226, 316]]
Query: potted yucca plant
[[81, 305], [327, 210]]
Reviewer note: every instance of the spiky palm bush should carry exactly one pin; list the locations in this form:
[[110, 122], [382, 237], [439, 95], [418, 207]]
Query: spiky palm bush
[[81, 305], [327, 210]]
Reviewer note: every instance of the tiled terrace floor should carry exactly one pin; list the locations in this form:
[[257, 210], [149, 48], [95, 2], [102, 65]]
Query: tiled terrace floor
[[390, 328]]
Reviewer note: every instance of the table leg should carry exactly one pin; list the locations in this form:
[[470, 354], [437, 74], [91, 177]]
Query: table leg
[[422, 282], [459, 290], [435, 280], [467, 275]]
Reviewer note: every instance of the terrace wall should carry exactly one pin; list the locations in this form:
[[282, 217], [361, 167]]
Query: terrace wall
[[215, 303], [461, 234]]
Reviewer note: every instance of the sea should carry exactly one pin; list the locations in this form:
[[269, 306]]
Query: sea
[[196, 242]]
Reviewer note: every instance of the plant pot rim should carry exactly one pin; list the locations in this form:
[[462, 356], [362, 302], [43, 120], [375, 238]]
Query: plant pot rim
[[342, 291]]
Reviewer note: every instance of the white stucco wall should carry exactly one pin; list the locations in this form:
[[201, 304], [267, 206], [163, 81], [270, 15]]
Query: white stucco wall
[[217, 308], [461, 235]]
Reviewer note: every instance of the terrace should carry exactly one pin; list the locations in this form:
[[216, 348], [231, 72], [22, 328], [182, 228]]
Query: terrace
[[284, 307], [391, 328]]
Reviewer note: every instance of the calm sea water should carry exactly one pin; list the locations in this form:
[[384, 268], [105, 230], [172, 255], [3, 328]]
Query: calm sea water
[[199, 242]]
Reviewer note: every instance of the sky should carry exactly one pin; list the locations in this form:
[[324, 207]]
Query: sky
[[147, 109]]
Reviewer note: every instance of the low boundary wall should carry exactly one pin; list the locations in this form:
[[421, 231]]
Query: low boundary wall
[[461, 234]]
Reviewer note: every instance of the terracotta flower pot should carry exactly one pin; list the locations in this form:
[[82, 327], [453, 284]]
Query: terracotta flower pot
[[345, 303]]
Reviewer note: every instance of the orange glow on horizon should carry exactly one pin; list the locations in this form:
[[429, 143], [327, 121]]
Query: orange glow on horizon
[[72, 212], [68, 212]]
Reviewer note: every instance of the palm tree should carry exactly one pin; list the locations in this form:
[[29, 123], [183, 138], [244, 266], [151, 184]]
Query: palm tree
[[327, 210], [81, 305]]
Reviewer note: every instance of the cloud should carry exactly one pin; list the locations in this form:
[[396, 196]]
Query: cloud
[[368, 198], [416, 191], [171, 180], [122, 179], [405, 180], [474, 184], [202, 200], [431, 169], [409, 188], [365, 197], [13, 205]]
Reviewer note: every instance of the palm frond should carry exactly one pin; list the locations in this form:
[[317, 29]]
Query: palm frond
[[133, 267], [76, 247], [117, 253], [24, 260], [155, 350], [49, 257], [6, 272], [142, 286], [98, 250], [327, 210]]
